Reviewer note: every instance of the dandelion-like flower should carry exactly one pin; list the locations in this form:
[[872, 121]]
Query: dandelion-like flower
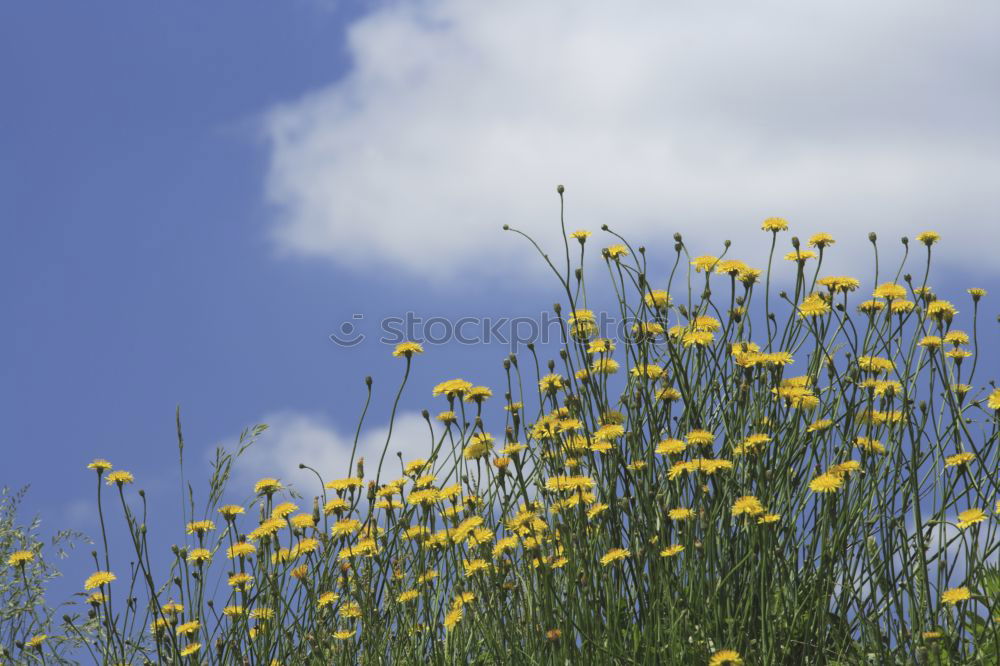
[[99, 579], [121, 477], [970, 517], [725, 658], [407, 349], [99, 464], [20, 557], [749, 505], [953, 595], [826, 483]]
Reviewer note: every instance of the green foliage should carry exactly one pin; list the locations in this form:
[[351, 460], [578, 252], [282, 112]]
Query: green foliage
[[23, 611]]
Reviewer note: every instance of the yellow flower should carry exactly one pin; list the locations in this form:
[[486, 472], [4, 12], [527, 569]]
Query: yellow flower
[[869, 445], [99, 579], [326, 599], [976, 293], [670, 447], [200, 527], [699, 338], [726, 658], [657, 298], [267, 486], [700, 437], [970, 517], [408, 349], [774, 224], [241, 549], [20, 557], [199, 555], [473, 567], [821, 240], [819, 425], [768, 518], [604, 366], [478, 447], [188, 627], [616, 251], [580, 234], [120, 477], [889, 291], [826, 483], [302, 520], [283, 510], [478, 394], [344, 634], [875, 364], [941, 310], [614, 555], [344, 484], [800, 255], [452, 388], [240, 580], [551, 383], [670, 551], [930, 341], [99, 464], [959, 459], [35, 641], [345, 527], [956, 337], [446, 417], [190, 649], [840, 283], [452, 618], [704, 263], [928, 238], [233, 611], [956, 594], [350, 609], [993, 402], [749, 505], [814, 305], [231, 510]]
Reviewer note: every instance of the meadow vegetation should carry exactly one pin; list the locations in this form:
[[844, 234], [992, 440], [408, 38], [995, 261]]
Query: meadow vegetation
[[750, 476]]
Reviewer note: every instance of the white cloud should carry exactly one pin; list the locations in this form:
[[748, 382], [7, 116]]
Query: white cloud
[[293, 438], [457, 117]]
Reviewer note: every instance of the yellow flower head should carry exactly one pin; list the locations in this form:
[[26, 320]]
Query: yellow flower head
[[928, 238], [970, 517], [726, 658], [774, 224], [749, 505], [408, 349], [616, 251], [614, 555], [826, 483], [20, 557], [99, 579], [954, 595], [821, 240], [267, 486], [120, 477]]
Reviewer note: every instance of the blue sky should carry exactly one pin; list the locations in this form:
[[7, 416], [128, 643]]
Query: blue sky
[[195, 196]]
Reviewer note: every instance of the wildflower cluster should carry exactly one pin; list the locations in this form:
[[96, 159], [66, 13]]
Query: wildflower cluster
[[811, 483]]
